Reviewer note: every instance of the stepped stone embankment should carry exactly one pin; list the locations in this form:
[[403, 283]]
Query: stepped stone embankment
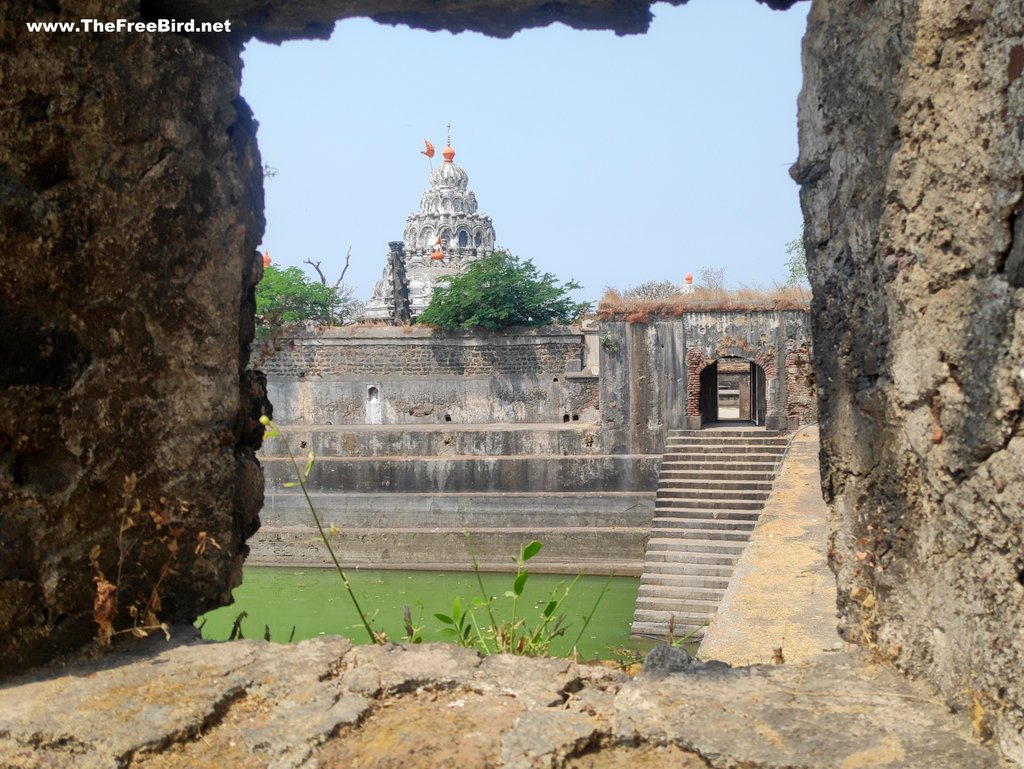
[[410, 498]]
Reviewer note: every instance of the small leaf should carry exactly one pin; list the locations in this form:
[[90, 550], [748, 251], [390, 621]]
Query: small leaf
[[550, 608], [289, 484], [139, 632], [520, 583], [531, 550], [444, 618]]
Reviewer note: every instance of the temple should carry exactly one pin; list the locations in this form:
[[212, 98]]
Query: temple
[[441, 239]]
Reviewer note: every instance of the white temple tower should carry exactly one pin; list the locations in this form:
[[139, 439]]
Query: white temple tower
[[442, 238]]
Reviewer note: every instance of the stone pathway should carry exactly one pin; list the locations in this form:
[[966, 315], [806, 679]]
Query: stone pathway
[[782, 593]]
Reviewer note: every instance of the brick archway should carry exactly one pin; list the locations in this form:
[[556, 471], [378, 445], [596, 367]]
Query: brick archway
[[696, 363]]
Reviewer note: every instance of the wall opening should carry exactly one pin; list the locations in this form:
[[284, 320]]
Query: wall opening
[[733, 391]]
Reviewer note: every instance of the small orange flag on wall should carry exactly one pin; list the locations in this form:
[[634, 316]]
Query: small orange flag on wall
[[429, 151]]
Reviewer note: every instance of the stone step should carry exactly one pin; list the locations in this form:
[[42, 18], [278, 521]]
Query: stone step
[[746, 516], [672, 502], [688, 568], [756, 487], [669, 527], [583, 549], [718, 467], [670, 510], [695, 544], [599, 509], [435, 440], [738, 461], [725, 449], [712, 595], [708, 606], [726, 444], [716, 491], [687, 557], [661, 630], [684, 581], [683, 619], [711, 433], [619, 472], [696, 532], [710, 476]]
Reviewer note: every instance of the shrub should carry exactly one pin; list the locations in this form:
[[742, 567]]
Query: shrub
[[499, 291]]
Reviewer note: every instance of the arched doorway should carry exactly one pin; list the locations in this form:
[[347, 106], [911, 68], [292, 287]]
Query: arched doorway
[[733, 390]]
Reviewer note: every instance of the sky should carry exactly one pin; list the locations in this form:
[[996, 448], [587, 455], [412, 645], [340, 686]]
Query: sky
[[606, 160]]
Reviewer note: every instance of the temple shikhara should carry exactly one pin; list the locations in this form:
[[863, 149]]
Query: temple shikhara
[[442, 238]]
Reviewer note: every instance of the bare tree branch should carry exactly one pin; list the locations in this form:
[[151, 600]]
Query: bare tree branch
[[348, 257], [323, 278], [316, 266]]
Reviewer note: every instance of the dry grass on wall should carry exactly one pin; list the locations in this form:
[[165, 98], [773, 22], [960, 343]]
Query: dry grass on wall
[[614, 306]]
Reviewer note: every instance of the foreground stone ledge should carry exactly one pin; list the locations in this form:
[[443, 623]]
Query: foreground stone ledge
[[326, 702]]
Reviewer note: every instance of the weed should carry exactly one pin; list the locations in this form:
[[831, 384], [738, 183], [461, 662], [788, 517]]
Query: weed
[[138, 530], [615, 305], [513, 634], [300, 480]]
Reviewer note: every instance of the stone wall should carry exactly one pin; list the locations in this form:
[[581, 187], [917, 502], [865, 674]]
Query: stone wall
[[911, 170], [391, 351], [650, 372], [130, 209], [395, 375]]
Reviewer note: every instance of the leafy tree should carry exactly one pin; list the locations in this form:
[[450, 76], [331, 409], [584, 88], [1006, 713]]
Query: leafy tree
[[285, 296], [797, 264], [652, 289], [500, 290]]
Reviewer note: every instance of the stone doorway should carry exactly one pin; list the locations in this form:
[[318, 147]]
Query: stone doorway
[[733, 391]]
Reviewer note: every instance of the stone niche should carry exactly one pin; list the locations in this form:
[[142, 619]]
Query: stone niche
[[130, 205]]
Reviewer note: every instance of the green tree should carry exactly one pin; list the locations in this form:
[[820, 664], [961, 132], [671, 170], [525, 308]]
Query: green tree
[[498, 291], [287, 296], [797, 264]]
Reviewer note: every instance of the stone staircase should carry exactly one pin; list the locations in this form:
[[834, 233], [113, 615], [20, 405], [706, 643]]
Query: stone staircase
[[712, 486]]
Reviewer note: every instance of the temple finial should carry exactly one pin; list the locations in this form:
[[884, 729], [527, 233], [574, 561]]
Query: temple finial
[[449, 134]]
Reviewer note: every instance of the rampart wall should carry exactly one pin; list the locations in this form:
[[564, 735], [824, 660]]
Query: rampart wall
[[650, 372], [396, 375]]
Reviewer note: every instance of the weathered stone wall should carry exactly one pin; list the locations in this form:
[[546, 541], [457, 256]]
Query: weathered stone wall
[[912, 167], [130, 208], [422, 376], [650, 371], [392, 351]]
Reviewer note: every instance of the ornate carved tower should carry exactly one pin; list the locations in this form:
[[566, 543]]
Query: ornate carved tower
[[442, 238]]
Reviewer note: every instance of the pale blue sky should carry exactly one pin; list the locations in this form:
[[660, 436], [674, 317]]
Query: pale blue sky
[[609, 160]]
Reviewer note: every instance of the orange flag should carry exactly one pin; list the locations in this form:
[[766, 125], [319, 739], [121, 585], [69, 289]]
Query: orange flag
[[429, 151]]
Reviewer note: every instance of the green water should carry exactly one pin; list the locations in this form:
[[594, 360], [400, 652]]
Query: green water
[[315, 603]]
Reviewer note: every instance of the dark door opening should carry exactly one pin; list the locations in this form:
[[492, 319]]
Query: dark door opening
[[733, 390]]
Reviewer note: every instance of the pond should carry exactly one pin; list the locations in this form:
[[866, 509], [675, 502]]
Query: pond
[[314, 603]]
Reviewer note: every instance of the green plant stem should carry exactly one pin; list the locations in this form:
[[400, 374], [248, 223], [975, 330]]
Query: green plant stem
[[327, 543], [554, 612], [480, 581], [593, 611]]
